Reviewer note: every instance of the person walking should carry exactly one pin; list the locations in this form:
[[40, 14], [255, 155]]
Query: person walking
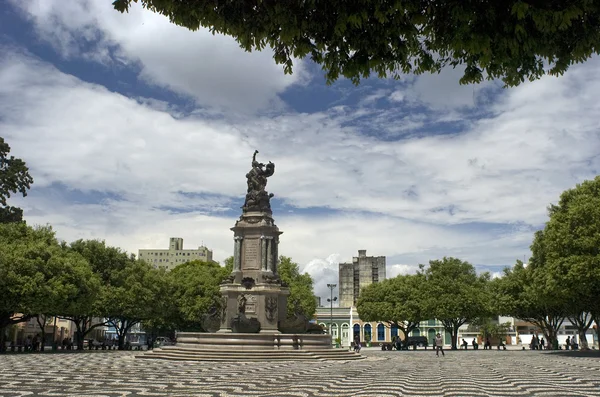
[[439, 345]]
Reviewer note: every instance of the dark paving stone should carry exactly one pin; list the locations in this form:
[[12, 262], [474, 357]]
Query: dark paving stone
[[470, 373]]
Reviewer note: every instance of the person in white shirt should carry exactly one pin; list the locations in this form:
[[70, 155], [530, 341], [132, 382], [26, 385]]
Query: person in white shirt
[[439, 345]]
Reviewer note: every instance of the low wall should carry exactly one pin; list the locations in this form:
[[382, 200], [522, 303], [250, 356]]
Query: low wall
[[249, 341]]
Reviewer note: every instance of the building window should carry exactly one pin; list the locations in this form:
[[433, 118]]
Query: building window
[[345, 331], [356, 331], [368, 333], [380, 332], [334, 331], [416, 332], [431, 336], [394, 330]]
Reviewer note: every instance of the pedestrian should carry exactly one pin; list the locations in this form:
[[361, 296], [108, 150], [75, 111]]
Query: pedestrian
[[439, 345]]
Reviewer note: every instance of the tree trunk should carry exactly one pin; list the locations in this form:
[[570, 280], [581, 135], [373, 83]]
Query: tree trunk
[[454, 335], [81, 325], [122, 327], [583, 343], [549, 326], [2, 339], [41, 320], [583, 322]]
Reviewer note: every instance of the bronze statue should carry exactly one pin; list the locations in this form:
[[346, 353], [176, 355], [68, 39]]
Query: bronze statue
[[241, 304], [257, 198]]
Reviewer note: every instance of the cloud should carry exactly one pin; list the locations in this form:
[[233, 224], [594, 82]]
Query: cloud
[[477, 193], [443, 91], [401, 269], [212, 69]]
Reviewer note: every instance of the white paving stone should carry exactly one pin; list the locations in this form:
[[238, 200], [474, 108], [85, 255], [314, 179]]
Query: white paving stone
[[420, 373]]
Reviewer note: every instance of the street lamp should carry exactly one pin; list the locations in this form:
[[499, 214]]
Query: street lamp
[[331, 300]]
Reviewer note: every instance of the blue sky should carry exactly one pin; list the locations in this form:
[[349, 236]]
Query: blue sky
[[137, 130]]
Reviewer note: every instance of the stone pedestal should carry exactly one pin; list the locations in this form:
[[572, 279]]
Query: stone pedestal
[[254, 287]]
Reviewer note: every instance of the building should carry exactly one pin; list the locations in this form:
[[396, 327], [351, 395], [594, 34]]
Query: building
[[175, 255], [362, 271], [345, 324], [55, 329]]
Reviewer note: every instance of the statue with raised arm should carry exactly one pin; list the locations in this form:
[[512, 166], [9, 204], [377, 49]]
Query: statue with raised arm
[[257, 198]]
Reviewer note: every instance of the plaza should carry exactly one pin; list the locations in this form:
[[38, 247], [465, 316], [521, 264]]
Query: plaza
[[382, 373]]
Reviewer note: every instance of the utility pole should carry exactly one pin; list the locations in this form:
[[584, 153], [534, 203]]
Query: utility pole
[[331, 299]]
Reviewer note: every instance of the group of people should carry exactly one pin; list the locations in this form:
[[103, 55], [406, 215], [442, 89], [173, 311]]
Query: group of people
[[33, 344], [571, 343], [465, 345], [537, 343]]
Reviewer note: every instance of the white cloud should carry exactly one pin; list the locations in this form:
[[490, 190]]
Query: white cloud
[[397, 96], [401, 269], [539, 140], [213, 70], [443, 91], [506, 168]]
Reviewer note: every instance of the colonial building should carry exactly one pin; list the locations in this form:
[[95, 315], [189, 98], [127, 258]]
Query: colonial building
[[346, 324], [175, 255], [355, 275]]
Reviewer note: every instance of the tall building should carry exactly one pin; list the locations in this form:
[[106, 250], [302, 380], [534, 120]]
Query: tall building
[[175, 255], [362, 271]]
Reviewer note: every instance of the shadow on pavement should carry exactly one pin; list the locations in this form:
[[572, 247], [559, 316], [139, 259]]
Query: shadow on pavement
[[576, 353]]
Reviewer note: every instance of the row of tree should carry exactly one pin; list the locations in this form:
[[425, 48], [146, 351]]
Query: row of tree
[[87, 280], [561, 280], [449, 290]]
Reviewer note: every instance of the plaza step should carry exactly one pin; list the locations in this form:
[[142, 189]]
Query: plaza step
[[208, 354]]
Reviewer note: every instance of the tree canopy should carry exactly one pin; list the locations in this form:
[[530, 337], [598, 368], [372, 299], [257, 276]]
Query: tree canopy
[[194, 290], [40, 277], [572, 253], [455, 294], [397, 301], [14, 178], [301, 300], [510, 40]]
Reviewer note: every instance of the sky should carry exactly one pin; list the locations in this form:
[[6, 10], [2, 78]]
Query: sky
[[136, 130]]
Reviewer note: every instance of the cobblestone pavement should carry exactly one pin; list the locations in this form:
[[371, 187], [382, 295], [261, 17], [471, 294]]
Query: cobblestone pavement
[[420, 373]]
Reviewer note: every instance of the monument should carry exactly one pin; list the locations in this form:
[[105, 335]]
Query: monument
[[254, 289], [251, 322]]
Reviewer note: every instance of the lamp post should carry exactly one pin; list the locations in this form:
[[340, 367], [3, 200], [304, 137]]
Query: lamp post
[[331, 300]]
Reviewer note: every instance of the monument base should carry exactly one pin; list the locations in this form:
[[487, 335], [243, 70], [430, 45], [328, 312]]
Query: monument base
[[204, 346]]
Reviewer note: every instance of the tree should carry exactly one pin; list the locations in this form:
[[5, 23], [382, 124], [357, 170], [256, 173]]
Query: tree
[[14, 178], [396, 301], [194, 290], [454, 293], [525, 295], [37, 275], [107, 263], [69, 286], [132, 296], [509, 40], [572, 252], [488, 328], [301, 300], [228, 264]]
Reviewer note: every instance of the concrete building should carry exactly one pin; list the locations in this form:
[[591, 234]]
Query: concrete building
[[362, 271], [175, 255]]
